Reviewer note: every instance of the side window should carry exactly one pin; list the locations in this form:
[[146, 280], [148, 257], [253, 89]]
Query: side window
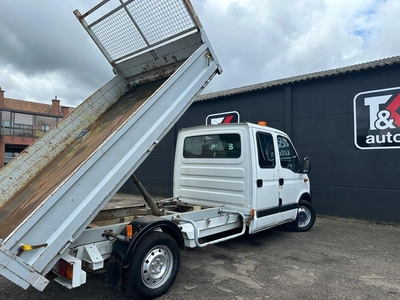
[[266, 151], [287, 154]]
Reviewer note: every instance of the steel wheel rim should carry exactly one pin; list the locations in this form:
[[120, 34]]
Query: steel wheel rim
[[157, 267], [303, 216]]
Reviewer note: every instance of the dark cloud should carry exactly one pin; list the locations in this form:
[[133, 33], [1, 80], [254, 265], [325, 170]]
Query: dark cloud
[[44, 50]]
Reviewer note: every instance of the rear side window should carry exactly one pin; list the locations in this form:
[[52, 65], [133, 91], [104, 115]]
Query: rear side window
[[265, 150], [212, 146]]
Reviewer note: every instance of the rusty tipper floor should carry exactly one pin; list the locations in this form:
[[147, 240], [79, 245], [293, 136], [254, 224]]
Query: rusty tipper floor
[[24, 203]]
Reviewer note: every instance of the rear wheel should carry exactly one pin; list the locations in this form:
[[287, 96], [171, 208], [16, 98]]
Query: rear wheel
[[153, 267], [305, 217]]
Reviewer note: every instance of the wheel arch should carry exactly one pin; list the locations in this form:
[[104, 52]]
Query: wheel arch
[[122, 251], [143, 225], [306, 197]]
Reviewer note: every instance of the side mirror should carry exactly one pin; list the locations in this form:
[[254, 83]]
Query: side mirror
[[306, 165]]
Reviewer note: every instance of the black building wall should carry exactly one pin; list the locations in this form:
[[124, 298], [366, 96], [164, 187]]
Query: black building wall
[[345, 181], [318, 115]]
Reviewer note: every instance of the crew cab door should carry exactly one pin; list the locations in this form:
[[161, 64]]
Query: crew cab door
[[291, 180], [266, 202]]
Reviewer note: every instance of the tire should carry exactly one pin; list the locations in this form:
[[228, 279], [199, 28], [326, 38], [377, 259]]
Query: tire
[[153, 267], [305, 217]]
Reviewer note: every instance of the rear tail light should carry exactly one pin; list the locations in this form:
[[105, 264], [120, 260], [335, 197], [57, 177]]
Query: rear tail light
[[65, 269]]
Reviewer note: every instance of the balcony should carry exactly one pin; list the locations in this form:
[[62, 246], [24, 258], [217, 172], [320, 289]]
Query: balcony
[[25, 125]]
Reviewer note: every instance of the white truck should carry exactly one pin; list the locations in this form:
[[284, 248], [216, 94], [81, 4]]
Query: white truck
[[227, 177]]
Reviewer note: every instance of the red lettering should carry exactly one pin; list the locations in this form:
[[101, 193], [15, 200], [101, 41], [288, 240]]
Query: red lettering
[[393, 107]]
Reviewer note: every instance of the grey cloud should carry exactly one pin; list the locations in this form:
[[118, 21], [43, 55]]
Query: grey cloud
[[45, 51], [45, 38]]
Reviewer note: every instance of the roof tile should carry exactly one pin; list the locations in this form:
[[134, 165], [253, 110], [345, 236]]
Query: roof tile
[[28, 106]]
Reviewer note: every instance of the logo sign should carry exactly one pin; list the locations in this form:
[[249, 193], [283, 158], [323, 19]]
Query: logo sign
[[223, 118], [377, 119]]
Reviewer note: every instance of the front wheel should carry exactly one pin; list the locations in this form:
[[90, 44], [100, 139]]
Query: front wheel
[[153, 267], [305, 217]]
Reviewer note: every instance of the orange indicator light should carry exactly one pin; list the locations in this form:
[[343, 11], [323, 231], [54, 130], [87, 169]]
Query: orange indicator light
[[129, 231]]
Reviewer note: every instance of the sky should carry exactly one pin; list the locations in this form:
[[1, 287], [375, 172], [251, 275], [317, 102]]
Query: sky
[[44, 50]]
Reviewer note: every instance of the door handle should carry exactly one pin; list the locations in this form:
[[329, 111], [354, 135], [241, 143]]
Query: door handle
[[259, 182], [281, 181]]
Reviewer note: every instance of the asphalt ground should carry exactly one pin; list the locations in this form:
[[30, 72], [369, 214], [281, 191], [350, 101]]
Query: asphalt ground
[[337, 259]]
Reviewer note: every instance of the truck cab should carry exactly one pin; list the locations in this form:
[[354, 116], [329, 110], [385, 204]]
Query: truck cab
[[247, 167]]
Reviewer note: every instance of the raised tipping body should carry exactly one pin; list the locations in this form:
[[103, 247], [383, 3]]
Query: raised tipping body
[[24, 203], [53, 190]]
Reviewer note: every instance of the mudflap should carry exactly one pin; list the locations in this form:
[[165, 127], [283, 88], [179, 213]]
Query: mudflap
[[115, 265]]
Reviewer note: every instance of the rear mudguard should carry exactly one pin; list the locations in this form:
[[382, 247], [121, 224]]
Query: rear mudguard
[[122, 250]]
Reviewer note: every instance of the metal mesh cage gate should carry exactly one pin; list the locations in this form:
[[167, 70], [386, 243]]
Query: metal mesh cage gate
[[126, 31]]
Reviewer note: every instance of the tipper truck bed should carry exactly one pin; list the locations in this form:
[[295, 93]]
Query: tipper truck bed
[[228, 178], [53, 190]]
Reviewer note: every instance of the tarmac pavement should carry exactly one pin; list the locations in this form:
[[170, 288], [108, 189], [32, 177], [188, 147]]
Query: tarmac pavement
[[337, 259]]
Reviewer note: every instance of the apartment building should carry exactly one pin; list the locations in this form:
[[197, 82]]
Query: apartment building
[[22, 122]]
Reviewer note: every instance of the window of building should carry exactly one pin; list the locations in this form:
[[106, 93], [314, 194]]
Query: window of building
[[28, 125], [212, 146], [26, 119], [266, 150], [43, 120], [287, 154], [45, 127], [23, 129], [5, 123], [12, 151], [23, 125]]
